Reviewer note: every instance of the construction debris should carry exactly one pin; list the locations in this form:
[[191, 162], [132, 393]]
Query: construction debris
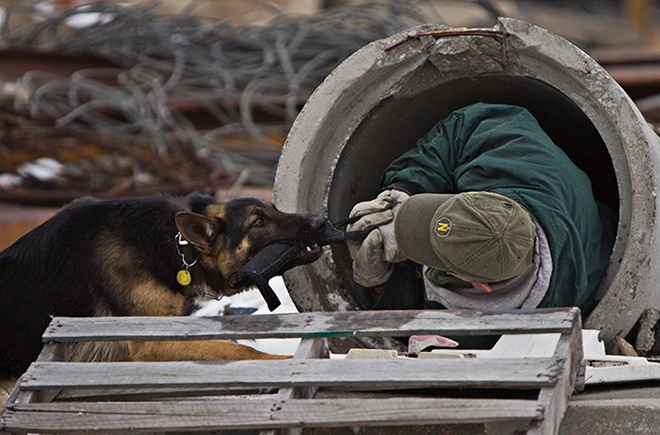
[[184, 102], [183, 89]]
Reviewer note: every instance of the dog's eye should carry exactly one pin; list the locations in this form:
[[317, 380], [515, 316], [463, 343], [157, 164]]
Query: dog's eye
[[260, 222]]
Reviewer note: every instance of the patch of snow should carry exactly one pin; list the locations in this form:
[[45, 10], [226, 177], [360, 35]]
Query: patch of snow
[[252, 299]]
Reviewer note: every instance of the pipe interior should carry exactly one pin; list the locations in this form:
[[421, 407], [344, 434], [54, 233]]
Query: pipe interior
[[396, 123]]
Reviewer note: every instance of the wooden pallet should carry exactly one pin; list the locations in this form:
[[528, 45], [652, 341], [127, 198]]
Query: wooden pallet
[[55, 396]]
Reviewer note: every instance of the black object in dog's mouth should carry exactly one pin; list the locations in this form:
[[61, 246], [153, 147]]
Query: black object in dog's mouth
[[278, 257]]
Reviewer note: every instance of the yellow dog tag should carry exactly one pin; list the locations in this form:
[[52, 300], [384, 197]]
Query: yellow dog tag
[[183, 277]]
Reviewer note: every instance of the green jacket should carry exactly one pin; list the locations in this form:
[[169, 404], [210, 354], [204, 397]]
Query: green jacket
[[501, 148]]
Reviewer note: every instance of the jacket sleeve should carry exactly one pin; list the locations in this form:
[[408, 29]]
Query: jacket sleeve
[[429, 166], [448, 159]]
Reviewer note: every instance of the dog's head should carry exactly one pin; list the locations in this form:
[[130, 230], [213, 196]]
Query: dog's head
[[228, 234]]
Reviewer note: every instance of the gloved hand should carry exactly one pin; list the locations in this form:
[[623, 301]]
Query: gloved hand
[[373, 257]]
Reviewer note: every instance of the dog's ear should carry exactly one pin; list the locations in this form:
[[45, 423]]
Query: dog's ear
[[198, 229]]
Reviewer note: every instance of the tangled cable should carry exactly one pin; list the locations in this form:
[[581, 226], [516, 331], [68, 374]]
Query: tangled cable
[[247, 82]]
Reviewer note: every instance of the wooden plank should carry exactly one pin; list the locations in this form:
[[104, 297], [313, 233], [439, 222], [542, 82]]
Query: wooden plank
[[49, 353], [355, 374], [120, 417], [309, 325], [116, 394], [554, 400], [308, 348]]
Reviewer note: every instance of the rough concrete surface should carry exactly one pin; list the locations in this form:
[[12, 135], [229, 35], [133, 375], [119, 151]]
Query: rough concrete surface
[[624, 416], [645, 342]]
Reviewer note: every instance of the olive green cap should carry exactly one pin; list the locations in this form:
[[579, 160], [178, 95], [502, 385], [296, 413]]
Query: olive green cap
[[482, 236]]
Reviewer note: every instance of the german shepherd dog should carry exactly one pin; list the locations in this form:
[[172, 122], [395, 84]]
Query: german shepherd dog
[[122, 258]]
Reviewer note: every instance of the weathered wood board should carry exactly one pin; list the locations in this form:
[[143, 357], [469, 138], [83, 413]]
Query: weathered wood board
[[386, 374], [154, 416], [308, 325], [554, 400]]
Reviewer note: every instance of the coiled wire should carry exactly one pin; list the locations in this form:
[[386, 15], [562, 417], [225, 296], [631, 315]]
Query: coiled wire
[[251, 80]]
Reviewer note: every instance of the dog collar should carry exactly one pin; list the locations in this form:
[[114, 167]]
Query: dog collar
[[183, 276]]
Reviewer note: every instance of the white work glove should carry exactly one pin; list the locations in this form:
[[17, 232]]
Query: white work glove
[[373, 258]]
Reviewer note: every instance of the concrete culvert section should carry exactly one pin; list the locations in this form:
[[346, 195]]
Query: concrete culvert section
[[379, 101]]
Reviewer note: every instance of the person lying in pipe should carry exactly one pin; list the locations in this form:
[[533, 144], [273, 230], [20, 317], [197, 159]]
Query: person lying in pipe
[[485, 213]]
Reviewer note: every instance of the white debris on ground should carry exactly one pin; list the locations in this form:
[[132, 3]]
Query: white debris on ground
[[252, 299], [43, 169]]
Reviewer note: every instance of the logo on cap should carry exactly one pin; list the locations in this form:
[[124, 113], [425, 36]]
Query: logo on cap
[[443, 227]]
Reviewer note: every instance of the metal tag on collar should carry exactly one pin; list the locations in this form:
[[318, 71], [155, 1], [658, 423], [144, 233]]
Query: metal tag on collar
[[183, 277]]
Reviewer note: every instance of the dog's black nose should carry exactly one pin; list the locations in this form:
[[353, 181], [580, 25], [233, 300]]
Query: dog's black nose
[[318, 223]]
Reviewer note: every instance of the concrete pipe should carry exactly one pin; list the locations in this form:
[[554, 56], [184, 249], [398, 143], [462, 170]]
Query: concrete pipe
[[378, 102]]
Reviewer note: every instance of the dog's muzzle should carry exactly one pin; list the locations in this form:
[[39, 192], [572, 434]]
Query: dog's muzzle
[[279, 256]]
